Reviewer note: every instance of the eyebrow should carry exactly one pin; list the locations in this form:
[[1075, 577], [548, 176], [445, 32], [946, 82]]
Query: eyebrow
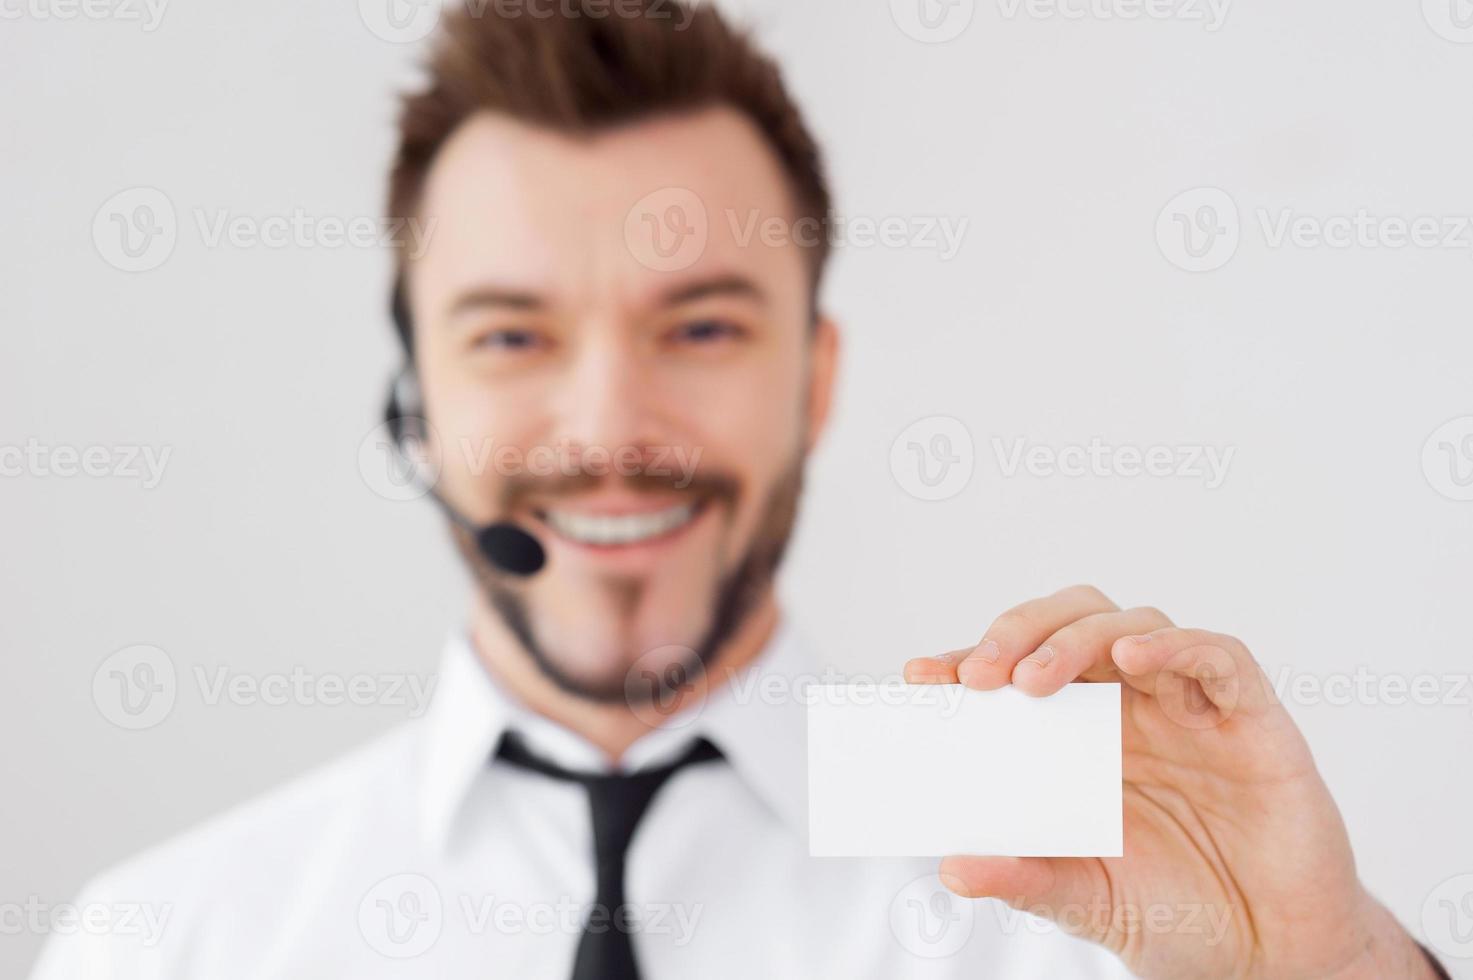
[[729, 284], [494, 296], [521, 301]]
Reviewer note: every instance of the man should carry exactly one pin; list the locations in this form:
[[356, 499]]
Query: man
[[591, 793]]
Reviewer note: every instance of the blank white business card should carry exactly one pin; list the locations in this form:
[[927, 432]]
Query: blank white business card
[[905, 770]]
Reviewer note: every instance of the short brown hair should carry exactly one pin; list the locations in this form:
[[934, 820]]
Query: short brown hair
[[588, 65]]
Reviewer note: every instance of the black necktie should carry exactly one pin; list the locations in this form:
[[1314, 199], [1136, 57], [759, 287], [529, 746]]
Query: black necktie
[[617, 801]]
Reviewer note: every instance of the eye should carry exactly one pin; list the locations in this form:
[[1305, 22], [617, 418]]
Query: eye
[[706, 331], [510, 339]]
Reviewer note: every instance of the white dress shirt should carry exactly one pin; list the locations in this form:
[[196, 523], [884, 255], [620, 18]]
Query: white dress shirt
[[415, 856]]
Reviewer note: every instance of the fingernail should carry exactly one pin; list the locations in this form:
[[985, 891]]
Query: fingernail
[[949, 657], [988, 651], [1041, 657], [1141, 640]]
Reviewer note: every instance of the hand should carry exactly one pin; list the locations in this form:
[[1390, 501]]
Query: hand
[[1237, 863]]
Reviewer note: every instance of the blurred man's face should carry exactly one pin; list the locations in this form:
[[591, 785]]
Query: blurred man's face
[[639, 402]]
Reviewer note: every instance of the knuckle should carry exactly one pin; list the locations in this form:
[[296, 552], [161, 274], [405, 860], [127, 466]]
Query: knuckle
[[1150, 613], [1236, 647], [1010, 624], [1084, 592]]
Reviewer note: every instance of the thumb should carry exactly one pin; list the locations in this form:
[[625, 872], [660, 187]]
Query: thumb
[[1074, 893]]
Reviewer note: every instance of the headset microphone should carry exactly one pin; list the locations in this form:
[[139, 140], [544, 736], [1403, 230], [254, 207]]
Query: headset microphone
[[505, 545]]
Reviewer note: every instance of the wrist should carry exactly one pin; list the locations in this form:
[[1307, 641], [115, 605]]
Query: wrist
[[1388, 950]]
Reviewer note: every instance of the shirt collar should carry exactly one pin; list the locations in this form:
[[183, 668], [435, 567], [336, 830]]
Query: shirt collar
[[755, 718], [464, 722]]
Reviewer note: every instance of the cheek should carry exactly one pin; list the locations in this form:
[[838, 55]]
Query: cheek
[[478, 435], [751, 427]]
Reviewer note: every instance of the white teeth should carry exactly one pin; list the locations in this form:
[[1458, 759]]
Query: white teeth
[[621, 529]]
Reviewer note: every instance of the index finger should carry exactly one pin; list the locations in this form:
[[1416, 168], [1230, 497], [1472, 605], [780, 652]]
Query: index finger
[[1011, 637]]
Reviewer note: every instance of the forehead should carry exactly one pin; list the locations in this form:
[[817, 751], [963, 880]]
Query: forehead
[[622, 215]]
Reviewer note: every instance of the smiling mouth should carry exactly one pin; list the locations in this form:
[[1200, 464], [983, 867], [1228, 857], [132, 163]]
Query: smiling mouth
[[616, 530]]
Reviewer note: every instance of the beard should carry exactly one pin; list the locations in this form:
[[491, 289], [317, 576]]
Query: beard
[[736, 594]]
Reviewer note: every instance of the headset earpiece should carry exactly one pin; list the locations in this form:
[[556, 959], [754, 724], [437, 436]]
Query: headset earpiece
[[404, 410], [399, 312]]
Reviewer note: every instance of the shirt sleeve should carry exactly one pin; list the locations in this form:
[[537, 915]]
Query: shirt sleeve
[[101, 936]]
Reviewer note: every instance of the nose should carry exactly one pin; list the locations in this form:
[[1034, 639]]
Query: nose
[[607, 397]]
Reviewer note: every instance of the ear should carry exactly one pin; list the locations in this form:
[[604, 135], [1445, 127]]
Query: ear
[[823, 366]]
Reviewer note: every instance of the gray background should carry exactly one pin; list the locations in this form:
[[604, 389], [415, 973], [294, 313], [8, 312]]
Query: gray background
[[1332, 546]]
